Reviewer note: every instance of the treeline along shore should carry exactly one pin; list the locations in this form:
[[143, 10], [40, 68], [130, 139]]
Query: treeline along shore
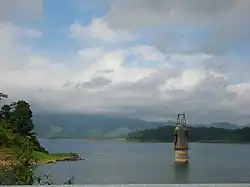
[[18, 141], [195, 134]]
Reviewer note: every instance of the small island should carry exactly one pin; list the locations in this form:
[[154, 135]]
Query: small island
[[18, 141]]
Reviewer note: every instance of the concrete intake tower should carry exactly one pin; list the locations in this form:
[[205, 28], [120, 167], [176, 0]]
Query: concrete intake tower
[[181, 140]]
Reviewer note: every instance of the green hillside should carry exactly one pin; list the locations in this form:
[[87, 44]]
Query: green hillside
[[86, 126], [100, 127], [119, 133], [195, 134]]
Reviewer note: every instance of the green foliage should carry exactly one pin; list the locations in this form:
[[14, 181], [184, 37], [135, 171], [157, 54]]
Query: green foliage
[[20, 148], [42, 157], [18, 175], [23, 175], [5, 112], [19, 115], [21, 118], [7, 137], [196, 134], [16, 127], [70, 181]]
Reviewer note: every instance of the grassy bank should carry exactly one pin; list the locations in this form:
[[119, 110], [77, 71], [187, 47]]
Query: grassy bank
[[44, 158], [9, 157]]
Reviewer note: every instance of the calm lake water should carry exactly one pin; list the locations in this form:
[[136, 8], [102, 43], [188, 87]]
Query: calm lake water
[[148, 163]]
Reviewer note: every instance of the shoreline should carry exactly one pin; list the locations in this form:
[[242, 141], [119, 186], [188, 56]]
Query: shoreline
[[8, 160], [159, 141], [104, 140], [55, 158], [151, 141], [201, 141]]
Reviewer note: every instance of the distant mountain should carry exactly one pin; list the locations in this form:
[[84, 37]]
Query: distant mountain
[[99, 126], [223, 125], [86, 126], [168, 123], [247, 125]]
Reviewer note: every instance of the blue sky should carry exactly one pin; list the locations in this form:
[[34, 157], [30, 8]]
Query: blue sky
[[55, 22], [56, 19]]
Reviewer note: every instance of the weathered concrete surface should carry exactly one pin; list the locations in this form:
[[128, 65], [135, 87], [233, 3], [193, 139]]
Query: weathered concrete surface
[[181, 156]]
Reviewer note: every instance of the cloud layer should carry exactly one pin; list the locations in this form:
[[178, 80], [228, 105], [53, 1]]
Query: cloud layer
[[20, 10], [129, 62]]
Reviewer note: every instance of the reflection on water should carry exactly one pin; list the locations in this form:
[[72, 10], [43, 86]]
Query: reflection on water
[[181, 173]]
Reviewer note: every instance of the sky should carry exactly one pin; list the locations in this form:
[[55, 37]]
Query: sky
[[138, 58]]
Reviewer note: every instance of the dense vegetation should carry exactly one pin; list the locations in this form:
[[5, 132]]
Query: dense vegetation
[[19, 147], [16, 129], [196, 134]]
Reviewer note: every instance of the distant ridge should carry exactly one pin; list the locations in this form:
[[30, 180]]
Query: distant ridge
[[99, 126], [86, 126], [223, 125], [168, 123]]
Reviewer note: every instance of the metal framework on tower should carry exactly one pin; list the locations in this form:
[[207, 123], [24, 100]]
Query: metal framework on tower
[[181, 120]]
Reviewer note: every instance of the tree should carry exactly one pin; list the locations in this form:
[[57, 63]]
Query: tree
[[5, 112], [21, 118], [7, 137], [2, 96]]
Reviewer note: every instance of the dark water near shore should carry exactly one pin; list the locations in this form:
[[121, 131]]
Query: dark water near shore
[[148, 163]]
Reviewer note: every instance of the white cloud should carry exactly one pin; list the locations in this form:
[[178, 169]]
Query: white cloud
[[147, 53], [11, 50], [124, 14], [100, 81], [241, 88], [188, 80], [224, 23], [99, 30], [207, 87], [33, 33]]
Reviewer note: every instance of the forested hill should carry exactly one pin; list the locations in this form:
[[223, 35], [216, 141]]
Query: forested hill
[[97, 126], [196, 134], [86, 126]]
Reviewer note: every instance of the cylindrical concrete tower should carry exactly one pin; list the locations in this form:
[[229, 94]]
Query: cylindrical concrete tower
[[181, 140]]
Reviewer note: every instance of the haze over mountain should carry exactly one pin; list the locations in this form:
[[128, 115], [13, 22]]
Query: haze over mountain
[[98, 126], [86, 126]]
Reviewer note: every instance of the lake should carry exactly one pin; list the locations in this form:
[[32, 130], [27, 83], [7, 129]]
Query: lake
[[110, 162]]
